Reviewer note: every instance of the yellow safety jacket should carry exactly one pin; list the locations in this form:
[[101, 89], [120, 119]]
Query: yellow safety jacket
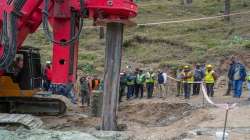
[[209, 78], [150, 78], [248, 77], [190, 79]]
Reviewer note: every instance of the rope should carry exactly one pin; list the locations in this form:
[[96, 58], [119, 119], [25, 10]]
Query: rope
[[180, 21], [190, 20], [204, 91]]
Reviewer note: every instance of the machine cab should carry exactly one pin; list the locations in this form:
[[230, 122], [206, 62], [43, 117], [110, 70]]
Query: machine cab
[[26, 69]]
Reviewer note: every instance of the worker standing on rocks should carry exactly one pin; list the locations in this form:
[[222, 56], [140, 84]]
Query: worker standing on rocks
[[95, 83], [210, 78], [230, 77], [130, 85], [123, 84], [140, 80], [85, 91], [150, 83], [47, 75], [179, 81], [239, 76], [187, 77], [162, 81], [198, 76]]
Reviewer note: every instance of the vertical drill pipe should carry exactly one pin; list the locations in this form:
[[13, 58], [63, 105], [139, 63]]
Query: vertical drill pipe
[[113, 55], [225, 125]]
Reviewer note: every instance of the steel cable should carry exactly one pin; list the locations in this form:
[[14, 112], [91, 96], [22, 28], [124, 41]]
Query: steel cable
[[9, 34], [47, 32]]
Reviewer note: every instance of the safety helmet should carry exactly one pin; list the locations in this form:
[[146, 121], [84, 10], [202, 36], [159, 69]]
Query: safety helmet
[[209, 66], [186, 67], [198, 65]]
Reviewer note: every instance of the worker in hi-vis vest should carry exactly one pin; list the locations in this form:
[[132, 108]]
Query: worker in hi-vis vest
[[140, 80], [150, 83], [130, 85], [210, 78], [187, 79]]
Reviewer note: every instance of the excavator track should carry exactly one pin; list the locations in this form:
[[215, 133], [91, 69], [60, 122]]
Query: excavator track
[[35, 105], [28, 121]]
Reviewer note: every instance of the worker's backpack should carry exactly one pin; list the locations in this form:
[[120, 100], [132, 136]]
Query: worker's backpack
[[198, 75], [160, 78]]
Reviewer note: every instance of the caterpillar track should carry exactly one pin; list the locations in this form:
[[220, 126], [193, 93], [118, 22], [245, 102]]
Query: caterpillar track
[[28, 121], [53, 105]]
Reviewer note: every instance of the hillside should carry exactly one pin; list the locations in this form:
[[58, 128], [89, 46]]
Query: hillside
[[168, 45]]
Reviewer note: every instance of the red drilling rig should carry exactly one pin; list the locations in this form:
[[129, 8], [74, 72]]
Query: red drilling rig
[[62, 22]]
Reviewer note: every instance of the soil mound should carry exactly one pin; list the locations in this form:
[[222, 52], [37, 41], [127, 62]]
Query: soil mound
[[154, 113]]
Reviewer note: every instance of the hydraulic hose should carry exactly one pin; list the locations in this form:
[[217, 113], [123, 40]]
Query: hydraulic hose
[[9, 37], [48, 33]]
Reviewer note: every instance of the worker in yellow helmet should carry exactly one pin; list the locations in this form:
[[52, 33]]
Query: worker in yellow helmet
[[187, 78], [210, 78], [179, 85]]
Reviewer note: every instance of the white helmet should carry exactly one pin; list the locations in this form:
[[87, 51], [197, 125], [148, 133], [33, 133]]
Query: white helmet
[[48, 62]]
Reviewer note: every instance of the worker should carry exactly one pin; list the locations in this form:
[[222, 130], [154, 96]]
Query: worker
[[150, 82], [165, 75], [123, 84], [162, 81], [101, 85], [47, 75], [140, 80], [89, 79], [95, 83], [239, 76], [210, 78], [187, 78], [230, 77], [136, 91], [198, 77], [130, 85], [18, 65], [248, 84], [85, 91], [179, 81]]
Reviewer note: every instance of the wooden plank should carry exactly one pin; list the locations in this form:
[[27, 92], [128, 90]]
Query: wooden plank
[[113, 54]]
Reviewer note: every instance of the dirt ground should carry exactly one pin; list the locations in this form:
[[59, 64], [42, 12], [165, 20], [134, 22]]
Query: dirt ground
[[170, 118]]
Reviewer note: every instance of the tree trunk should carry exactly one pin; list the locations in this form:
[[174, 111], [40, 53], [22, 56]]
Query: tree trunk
[[101, 35], [227, 10], [113, 54]]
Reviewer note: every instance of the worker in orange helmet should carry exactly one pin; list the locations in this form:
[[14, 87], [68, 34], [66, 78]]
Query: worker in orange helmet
[[210, 78]]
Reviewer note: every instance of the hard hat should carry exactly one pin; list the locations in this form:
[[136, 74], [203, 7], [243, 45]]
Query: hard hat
[[209, 66], [186, 67], [198, 64]]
